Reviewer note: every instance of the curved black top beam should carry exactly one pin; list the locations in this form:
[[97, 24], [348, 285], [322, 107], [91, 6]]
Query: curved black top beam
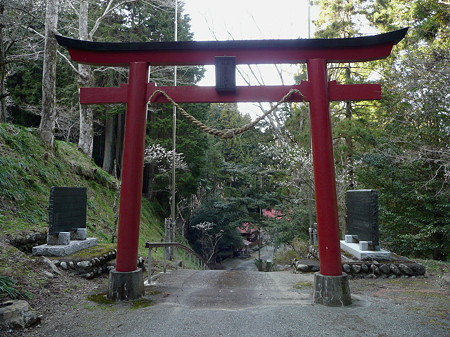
[[357, 49], [364, 41]]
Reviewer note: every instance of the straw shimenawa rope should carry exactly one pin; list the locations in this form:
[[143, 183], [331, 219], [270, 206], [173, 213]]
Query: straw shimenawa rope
[[226, 133]]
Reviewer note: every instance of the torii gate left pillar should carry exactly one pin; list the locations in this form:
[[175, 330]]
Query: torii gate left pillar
[[331, 285], [126, 281]]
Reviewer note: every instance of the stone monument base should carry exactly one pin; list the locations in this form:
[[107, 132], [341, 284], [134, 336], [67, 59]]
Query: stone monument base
[[63, 250], [363, 254], [125, 286], [332, 291]]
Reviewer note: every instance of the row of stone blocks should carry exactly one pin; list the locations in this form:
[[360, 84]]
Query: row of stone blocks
[[93, 267], [371, 270], [383, 270], [89, 268]]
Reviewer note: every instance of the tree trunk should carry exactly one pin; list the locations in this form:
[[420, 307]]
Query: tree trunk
[[49, 74], [119, 142], [86, 138], [348, 138], [3, 114], [109, 150]]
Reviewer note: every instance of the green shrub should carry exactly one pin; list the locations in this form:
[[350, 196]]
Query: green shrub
[[7, 287]]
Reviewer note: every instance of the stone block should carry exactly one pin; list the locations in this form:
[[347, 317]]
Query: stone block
[[78, 234], [418, 269], [363, 245], [405, 269], [58, 239], [346, 268], [302, 267], [349, 238], [394, 269], [385, 268]]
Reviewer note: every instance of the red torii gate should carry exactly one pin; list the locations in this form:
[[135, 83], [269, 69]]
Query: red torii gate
[[331, 285]]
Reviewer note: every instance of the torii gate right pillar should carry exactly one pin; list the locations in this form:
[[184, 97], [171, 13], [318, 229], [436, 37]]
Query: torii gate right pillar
[[330, 284]]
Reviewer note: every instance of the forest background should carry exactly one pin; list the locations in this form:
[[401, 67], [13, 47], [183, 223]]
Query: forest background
[[398, 146]]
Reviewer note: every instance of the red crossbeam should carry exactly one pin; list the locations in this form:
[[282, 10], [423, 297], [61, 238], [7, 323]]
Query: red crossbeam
[[201, 57], [195, 94]]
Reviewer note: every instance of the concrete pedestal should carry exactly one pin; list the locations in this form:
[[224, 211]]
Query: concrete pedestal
[[361, 254], [125, 286], [64, 250], [78, 234], [332, 291], [58, 239]]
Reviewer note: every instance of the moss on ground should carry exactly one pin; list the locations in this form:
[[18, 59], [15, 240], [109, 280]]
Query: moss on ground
[[89, 253], [103, 302], [141, 303], [302, 285], [100, 299]]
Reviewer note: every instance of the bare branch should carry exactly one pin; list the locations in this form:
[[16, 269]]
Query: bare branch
[[70, 63], [59, 53], [107, 11]]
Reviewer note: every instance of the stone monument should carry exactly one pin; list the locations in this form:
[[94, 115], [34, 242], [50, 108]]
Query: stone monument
[[362, 237], [67, 232]]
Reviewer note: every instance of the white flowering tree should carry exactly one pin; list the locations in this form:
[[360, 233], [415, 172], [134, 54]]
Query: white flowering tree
[[297, 185], [161, 158], [209, 238]]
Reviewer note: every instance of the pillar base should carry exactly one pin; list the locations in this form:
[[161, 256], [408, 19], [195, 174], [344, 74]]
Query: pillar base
[[332, 291], [125, 286]]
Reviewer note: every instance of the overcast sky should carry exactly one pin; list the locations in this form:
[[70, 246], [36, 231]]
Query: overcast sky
[[248, 19]]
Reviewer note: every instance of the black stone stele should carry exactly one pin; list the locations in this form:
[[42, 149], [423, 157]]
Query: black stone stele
[[67, 209], [362, 216]]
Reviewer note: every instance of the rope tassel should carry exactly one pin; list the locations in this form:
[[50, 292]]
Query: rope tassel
[[226, 133]]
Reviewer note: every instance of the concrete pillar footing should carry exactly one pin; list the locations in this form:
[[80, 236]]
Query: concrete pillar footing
[[332, 291], [125, 286]]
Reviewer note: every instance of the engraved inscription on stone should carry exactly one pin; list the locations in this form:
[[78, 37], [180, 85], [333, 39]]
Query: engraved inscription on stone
[[362, 216], [67, 209]]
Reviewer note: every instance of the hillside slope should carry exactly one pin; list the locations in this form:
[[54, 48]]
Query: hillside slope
[[27, 171]]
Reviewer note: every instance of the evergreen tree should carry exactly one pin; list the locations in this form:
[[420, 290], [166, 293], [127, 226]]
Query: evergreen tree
[[410, 162], [21, 39]]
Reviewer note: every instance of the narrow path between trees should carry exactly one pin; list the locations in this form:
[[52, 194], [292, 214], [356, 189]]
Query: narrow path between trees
[[266, 253]]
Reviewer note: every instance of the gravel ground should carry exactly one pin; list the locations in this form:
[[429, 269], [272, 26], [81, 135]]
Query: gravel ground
[[238, 303]]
